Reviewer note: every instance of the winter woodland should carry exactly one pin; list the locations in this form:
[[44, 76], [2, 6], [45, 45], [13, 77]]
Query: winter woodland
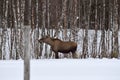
[[93, 24]]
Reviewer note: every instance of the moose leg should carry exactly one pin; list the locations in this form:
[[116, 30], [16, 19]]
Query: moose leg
[[56, 55], [74, 55]]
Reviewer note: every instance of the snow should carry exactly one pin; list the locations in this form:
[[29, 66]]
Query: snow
[[62, 69]]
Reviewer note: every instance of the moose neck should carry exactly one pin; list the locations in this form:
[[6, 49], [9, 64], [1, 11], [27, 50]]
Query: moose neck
[[50, 42]]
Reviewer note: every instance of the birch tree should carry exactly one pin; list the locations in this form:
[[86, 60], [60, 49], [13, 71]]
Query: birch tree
[[103, 52], [27, 40], [94, 51], [115, 50]]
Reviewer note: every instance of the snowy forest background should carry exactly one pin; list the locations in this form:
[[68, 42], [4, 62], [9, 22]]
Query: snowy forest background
[[93, 24]]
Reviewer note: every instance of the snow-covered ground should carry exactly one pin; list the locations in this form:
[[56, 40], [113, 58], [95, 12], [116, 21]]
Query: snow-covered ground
[[62, 69]]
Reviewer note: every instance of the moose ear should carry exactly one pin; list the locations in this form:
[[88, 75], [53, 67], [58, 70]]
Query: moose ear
[[47, 36]]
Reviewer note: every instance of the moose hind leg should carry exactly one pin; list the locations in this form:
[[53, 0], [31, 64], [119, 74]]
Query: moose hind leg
[[74, 55]]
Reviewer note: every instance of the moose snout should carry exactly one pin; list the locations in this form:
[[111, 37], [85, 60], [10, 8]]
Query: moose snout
[[39, 40]]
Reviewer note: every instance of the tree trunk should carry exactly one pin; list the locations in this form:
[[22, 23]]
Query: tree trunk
[[115, 51], [103, 52], [27, 40]]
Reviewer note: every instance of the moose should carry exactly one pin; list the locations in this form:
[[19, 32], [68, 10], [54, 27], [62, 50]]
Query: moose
[[58, 45]]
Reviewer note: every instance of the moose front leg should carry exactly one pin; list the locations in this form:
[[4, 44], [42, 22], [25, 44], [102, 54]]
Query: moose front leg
[[54, 49], [56, 55]]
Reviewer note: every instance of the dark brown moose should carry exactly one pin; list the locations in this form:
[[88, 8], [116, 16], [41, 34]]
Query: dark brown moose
[[58, 45]]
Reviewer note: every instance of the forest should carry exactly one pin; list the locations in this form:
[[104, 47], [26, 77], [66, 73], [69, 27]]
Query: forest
[[92, 24]]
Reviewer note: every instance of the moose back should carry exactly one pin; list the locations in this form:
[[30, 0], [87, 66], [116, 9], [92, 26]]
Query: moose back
[[58, 45]]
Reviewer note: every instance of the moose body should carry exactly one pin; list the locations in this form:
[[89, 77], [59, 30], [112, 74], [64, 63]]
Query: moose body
[[58, 45]]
